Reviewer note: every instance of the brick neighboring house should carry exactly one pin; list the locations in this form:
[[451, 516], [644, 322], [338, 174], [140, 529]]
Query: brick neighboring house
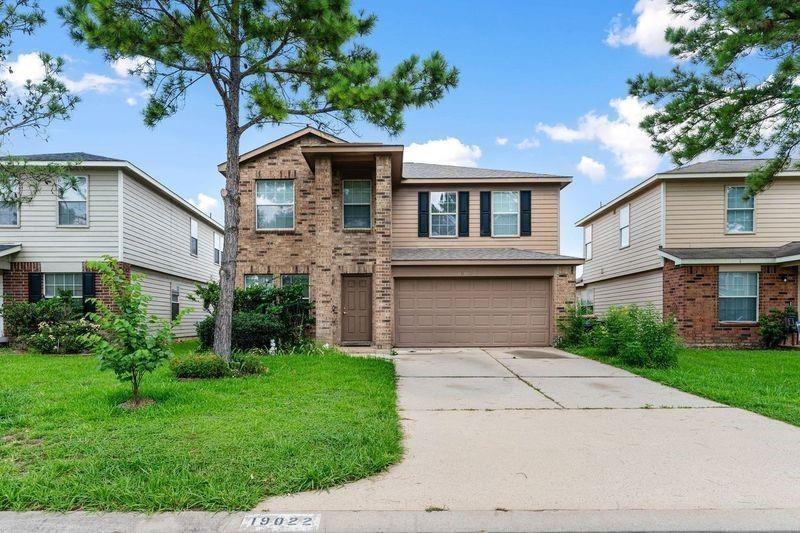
[[404, 254], [114, 209], [688, 242]]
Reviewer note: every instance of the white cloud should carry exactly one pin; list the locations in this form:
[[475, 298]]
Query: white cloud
[[591, 168], [30, 67], [619, 135], [91, 82], [528, 144], [208, 204], [449, 151], [653, 17], [501, 141], [125, 65], [131, 101]]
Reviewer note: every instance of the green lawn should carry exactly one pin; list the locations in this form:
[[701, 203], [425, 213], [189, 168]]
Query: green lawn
[[763, 381], [312, 422]]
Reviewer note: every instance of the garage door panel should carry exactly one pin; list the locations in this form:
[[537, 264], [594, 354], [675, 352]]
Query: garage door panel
[[472, 312]]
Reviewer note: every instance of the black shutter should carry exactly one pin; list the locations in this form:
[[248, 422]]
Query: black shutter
[[34, 286], [422, 213], [89, 292], [486, 214], [525, 213], [463, 214]]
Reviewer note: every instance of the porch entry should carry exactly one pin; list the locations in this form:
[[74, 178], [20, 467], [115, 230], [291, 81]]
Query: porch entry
[[356, 309]]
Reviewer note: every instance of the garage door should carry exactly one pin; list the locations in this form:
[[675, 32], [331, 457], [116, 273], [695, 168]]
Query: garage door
[[472, 312]]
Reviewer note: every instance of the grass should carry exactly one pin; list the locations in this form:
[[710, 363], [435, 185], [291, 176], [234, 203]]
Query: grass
[[763, 381], [312, 422]]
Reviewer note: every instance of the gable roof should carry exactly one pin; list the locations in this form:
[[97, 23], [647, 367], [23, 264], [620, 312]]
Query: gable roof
[[431, 171], [308, 130], [71, 157], [718, 168]]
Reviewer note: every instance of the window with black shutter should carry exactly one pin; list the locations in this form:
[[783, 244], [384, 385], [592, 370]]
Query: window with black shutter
[[463, 214], [89, 292], [423, 210]]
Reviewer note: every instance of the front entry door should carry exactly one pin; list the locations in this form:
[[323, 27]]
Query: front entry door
[[356, 309]]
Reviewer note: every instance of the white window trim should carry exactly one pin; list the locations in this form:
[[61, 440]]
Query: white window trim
[[58, 202], [757, 297], [217, 238], [620, 227], [195, 237], [492, 213], [293, 204], [44, 284], [431, 213], [344, 226], [725, 221], [587, 245], [271, 276]]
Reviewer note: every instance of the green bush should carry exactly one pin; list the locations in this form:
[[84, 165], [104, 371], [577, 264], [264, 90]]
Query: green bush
[[247, 364], [773, 328], [199, 366], [63, 337], [248, 331], [24, 318], [575, 326], [639, 336]]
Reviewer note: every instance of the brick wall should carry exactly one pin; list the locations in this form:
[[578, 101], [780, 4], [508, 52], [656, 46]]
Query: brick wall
[[563, 294], [101, 291], [15, 281], [691, 295]]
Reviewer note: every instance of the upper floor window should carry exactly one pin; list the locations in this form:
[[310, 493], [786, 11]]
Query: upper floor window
[[587, 242], [739, 211], [738, 296], [444, 214], [217, 248], [298, 279], [357, 197], [258, 279], [625, 226], [175, 302], [193, 236], [72, 205], [274, 204], [9, 214], [505, 213]]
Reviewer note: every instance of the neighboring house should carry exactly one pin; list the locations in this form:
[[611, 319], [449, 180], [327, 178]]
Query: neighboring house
[[114, 209], [404, 254], [690, 243]]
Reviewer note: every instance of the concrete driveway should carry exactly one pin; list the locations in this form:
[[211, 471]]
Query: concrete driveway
[[532, 431]]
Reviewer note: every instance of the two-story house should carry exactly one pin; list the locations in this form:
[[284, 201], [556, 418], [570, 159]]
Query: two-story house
[[691, 243], [111, 207], [404, 254]]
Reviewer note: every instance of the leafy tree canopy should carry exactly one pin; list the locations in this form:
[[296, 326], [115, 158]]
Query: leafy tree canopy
[[715, 100]]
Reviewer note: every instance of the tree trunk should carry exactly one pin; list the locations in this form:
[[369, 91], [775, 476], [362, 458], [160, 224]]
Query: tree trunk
[[230, 202]]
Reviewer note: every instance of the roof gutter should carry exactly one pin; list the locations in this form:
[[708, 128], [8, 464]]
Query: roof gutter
[[731, 261]]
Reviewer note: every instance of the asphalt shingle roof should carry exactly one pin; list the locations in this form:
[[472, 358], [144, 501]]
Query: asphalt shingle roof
[[474, 254], [427, 170], [743, 252], [66, 156], [722, 166]]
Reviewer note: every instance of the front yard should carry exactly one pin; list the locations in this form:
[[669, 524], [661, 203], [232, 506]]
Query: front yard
[[762, 381], [312, 422]]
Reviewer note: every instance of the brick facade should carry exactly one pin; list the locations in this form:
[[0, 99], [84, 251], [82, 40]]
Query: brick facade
[[563, 294], [691, 295]]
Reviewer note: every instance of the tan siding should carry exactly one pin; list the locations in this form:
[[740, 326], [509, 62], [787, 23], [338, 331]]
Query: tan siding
[[608, 260], [156, 235], [544, 219], [640, 289], [159, 287], [43, 241], [696, 214]]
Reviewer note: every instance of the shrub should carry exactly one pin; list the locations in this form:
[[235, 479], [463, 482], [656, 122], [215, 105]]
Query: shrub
[[639, 337], [25, 318], [199, 366], [773, 327], [247, 364], [62, 337], [575, 326]]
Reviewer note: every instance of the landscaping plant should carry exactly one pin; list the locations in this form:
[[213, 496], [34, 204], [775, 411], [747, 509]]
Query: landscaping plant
[[773, 328], [130, 342], [51, 325], [575, 326], [639, 336]]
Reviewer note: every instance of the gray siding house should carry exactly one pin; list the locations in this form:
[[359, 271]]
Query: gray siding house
[[114, 208]]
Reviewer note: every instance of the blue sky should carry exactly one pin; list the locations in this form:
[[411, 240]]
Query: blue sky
[[543, 89]]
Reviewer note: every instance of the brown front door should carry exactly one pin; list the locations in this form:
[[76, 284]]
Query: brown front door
[[356, 309]]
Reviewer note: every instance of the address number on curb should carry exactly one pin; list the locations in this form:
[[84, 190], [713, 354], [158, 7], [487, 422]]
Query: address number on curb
[[281, 522]]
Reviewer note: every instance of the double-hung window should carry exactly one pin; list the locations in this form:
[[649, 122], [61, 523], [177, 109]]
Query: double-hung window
[[251, 280], [587, 242], [193, 229], [57, 284], [9, 211], [175, 302], [217, 248], [505, 213], [72, 204], [444, 214], [625, 226], [738, 296], [357, 197], [296, 279], [275, 204], [738, 210]]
